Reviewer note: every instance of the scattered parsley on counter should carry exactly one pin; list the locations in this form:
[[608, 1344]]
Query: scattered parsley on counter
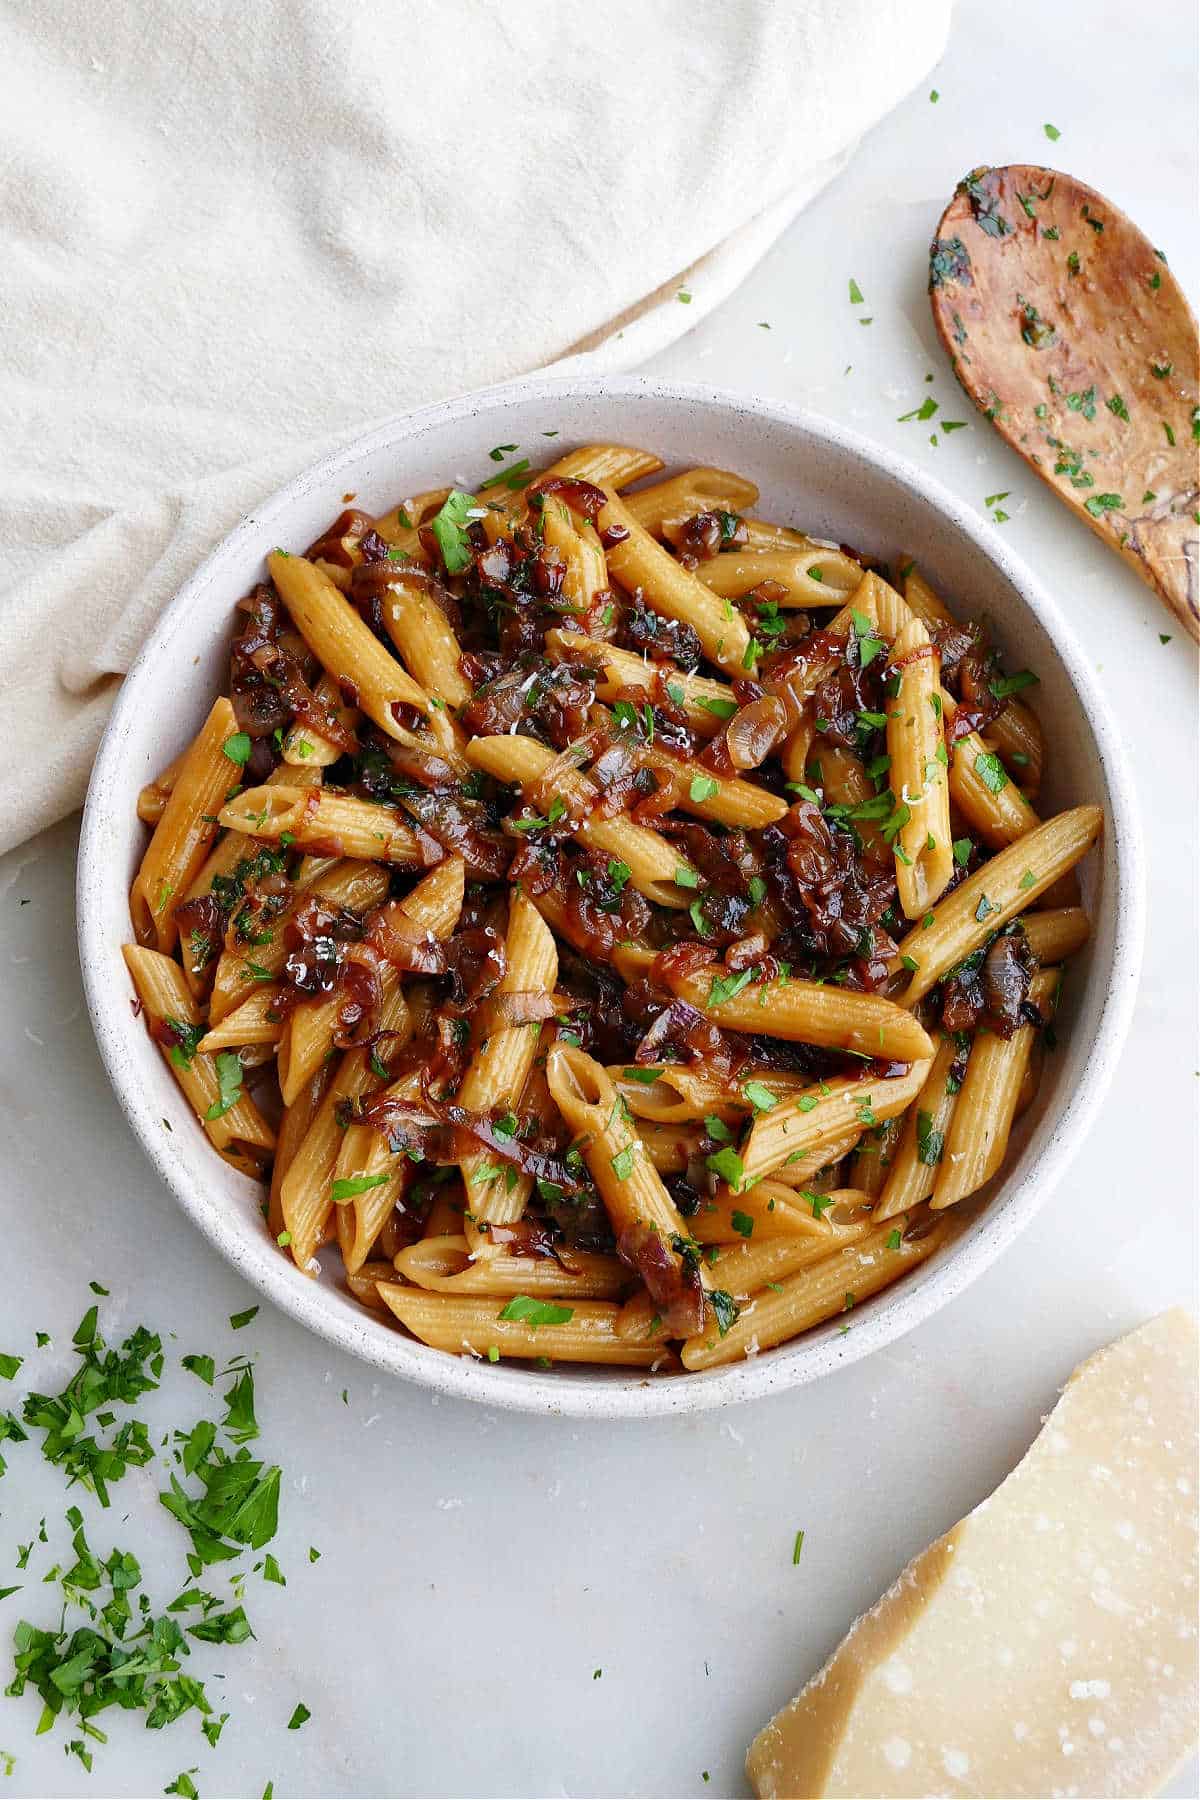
[[797, 1547], [300, 1717], [110, 1645], [9, 1366], [1052, 132]]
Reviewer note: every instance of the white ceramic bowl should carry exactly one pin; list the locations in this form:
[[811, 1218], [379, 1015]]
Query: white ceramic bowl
[[811, 473]]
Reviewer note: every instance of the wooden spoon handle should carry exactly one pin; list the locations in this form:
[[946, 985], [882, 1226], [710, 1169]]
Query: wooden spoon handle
[[1071, 335]]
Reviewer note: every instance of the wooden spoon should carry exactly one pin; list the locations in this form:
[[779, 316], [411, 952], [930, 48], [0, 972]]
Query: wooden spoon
[[1070, 334]]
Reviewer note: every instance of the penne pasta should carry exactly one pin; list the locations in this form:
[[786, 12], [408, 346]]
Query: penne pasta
[[315, 818], [639, 562], [683, 496], [212, 1085], [652, 862], [918, 773], [996, 893], [707, 705], [501, 1062], [344, 645], [834, 1285], [914, 1160], [444, 1266], [805, 1012], [185, 831], [809, 576], [984, 1110], [688, 847], [1057, 933], [823, 1115], [477, 1326]]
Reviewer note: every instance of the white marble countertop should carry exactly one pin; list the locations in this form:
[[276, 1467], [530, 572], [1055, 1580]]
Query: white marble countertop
[[478, 1568]]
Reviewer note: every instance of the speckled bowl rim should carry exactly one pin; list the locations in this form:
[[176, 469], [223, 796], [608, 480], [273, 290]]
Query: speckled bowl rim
[[605, 1395]]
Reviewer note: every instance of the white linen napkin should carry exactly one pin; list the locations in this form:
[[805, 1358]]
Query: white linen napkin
[[231, 234]]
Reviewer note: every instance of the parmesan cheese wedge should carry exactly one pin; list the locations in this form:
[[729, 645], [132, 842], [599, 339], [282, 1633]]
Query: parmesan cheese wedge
[[1047, 1644]]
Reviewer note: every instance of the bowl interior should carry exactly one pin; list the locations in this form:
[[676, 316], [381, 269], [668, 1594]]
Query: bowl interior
[[811, 474]]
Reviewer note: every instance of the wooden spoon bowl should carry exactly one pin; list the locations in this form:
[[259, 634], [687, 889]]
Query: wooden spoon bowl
[[1069, 332]]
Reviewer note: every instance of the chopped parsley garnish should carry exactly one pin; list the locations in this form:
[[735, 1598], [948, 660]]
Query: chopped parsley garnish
[[702, 787], [761, 1098], [237, 1320], [728, 1165], [990, 771], [622, 1164], [238, 747], [300, 1717], [728, 987], [449, 527], [798, 1543], [9, 1366], [930, 1142], [524, 1310], [742, 1223], [856, 295], [893, 1240], [1007, 685], [725, 1309], [229, 1079], [351, 1185], [1052, 132]]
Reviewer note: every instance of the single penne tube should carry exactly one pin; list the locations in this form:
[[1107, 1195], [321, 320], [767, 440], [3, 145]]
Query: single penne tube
[[234, 861], [768, 1209], [502, 1059], [351, 884], [306, 1037], [605, 465], [834, 1285], [255, 1021], [683, 496], [806, 1012], [307, 1194], [475, 1326], [653, 862], [675, 1093], [424, 638], [824, 1114], [707, 705], [306, 748], [913, 1163], [765, 534], [153, 797], [344, 644], [213, 1087], [316, 817], [369, 1179], [818, 1169], [873, 1155], [585, 572], [669, 1148], [639, 562], [293, 1129], [805, 577], [996, 809], [1057, 933], [918, 774], [745, 1268], [880, 602], [984, 1109], [430, 909], [624, 1174], [399, 527], [1007, 884], [185, 832], [1016, 734], [845, 781], [727, 799], [444, 1266], [364, 1284]]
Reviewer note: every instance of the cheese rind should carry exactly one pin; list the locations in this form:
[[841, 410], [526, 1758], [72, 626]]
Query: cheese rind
[[1047, 1645]]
